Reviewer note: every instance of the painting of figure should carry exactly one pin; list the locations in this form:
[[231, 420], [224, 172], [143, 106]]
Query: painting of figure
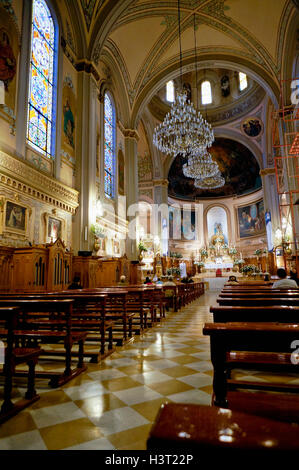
[[252, 127], [54, 229], [237, 164], [9, 52], [69, 110], [8, 63], [121, 173], [15, 217], [68, 124], [251, 220]]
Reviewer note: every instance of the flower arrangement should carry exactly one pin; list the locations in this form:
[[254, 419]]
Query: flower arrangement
[[173, 254], [142, 247], [97, 230], [249, 268], [258, 252], [233, 251], [173, 271], [203, 252]]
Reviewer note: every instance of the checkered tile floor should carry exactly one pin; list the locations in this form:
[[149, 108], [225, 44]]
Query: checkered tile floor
[[113, 404]]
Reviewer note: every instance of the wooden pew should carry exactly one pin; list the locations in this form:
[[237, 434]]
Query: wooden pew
[[88, 315], [172, 297], [263, 346], [9, 317], [272, 295], [275, 313], [49, 321], [214, 433], [257, 301]]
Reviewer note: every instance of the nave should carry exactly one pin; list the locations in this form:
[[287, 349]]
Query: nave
[[114, 403]]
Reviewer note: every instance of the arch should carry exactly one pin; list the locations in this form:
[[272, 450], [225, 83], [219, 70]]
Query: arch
[[103, 26], [42, 99], [117, 85], [211, 60], [109, 145], [229, 133], [228, 218]]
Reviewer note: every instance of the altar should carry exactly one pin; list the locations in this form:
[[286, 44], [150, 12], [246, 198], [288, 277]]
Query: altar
[[221, 265]]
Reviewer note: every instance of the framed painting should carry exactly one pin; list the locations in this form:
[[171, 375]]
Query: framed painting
[[15, 218], [116, 247], [54, 229], [251, 220]]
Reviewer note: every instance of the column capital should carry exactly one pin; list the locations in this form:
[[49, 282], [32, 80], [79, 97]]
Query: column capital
[[161, 182], [267, 171], [128, 133]]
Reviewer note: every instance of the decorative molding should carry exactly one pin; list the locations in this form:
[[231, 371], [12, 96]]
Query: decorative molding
[[130, 133], [21, 177], [267, 171], [161, 182], [86, 66], [88, 7]]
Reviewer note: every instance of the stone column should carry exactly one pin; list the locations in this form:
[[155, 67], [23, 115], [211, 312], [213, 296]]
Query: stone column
[[160, 214], [131, 175], [271, 200], [86, 170]]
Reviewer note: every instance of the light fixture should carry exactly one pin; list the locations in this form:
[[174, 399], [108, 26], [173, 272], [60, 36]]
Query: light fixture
[[200, 165], [184, 129], [211, 182]]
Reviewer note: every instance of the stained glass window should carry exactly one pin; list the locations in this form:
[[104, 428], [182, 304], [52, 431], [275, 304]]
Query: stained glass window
[[170, 91], [109, 146], [41, 120], [206, 93], [243, 81]]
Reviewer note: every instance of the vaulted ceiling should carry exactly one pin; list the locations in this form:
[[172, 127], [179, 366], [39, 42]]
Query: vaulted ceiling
[[139, 38]]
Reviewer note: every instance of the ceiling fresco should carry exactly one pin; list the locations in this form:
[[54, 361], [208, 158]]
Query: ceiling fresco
[[237, 164]]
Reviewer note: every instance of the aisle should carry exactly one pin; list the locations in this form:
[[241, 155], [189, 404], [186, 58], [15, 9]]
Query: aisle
[[113, 405]]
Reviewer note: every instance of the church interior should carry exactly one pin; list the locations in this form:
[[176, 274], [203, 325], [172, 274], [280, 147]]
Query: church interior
[[149, 209]]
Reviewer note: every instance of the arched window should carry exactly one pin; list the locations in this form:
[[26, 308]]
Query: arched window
[[170, 91], [42, 80], [109, 146], [206, 93], [242, 81]]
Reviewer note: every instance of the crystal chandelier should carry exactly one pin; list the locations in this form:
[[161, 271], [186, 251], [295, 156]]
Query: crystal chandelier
[[184, 129], [210, 182], [200, 165]]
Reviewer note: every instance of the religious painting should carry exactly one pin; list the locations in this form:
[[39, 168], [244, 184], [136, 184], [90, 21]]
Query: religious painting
[[182, 224], [116, 247], [15, 217], [121, 173], [237, 164], [252, 127], [68, 117], [225, 86], [251, 220], [188, 225], [54, 229], [9, 52]]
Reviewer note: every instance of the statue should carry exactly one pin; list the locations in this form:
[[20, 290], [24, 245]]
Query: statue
[[218, 238]]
